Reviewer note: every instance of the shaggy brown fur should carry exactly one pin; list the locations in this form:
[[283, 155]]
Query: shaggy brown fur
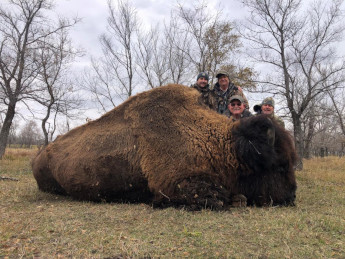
[[163, 146]]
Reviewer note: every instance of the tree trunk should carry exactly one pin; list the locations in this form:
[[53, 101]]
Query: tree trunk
[[299, 145], [44, 124], [309, 137], [5, 130]]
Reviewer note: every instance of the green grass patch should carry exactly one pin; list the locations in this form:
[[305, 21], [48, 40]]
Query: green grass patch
[[37, 224]]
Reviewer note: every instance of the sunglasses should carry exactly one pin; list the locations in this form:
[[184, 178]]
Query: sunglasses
[[235, 104]]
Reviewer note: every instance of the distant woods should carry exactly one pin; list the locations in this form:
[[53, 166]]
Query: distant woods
[[281, 48]]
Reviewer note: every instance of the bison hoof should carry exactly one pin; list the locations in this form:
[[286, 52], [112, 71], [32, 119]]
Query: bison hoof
[[196, 193], [239, 200]]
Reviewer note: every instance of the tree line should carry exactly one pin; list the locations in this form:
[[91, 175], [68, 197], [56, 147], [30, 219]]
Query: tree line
[[28, 136], [294, 42]]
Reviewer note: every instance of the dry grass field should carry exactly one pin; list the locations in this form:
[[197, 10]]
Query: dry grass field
[[40, 225]]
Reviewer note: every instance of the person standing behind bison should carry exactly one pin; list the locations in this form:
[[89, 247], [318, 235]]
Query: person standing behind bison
[[203, 87], [223, 90], [267, 107], [236, 108]]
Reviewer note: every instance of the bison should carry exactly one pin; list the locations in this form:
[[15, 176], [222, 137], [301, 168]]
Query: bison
[[165, 147]]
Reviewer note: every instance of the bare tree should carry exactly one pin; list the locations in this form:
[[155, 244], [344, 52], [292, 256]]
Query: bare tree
[[151, 58], [22, 26], [312, 123], [194, 40], [212, 38], [196, 21], [118, 44], [111, 78], [221, 42], [174, 44], [160, 55], [100, 81], [339, 108], [55, 91], [12, 137], [296, 45]]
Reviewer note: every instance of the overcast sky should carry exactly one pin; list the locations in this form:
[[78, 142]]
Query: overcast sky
[[94, 15]]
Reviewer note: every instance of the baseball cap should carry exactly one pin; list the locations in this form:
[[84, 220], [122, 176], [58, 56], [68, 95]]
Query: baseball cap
[[236, 97], [222, 72]]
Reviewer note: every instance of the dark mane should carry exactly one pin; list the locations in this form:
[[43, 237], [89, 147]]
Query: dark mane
[[267, 155]]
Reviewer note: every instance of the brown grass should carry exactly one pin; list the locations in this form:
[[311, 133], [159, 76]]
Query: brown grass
[[17, 161], [36, 224]]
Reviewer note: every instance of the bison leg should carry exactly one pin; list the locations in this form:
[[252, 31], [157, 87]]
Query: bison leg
[[239, 200], [195, 193]]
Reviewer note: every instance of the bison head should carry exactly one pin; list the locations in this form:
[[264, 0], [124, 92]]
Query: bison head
[[267, 158]]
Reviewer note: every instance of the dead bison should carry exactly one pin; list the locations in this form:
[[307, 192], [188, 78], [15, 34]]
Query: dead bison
[[164, 147]]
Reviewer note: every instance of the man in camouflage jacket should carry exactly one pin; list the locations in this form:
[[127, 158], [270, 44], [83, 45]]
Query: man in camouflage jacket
[[203, 87], [222, 91], [267, 107], [236, 108]]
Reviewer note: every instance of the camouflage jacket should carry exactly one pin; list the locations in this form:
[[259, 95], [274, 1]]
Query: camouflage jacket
[[205, 93], [220, 98], [275, 117], [279, 120]]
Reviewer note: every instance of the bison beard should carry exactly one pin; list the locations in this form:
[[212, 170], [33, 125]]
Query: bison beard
[[165, 147]]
